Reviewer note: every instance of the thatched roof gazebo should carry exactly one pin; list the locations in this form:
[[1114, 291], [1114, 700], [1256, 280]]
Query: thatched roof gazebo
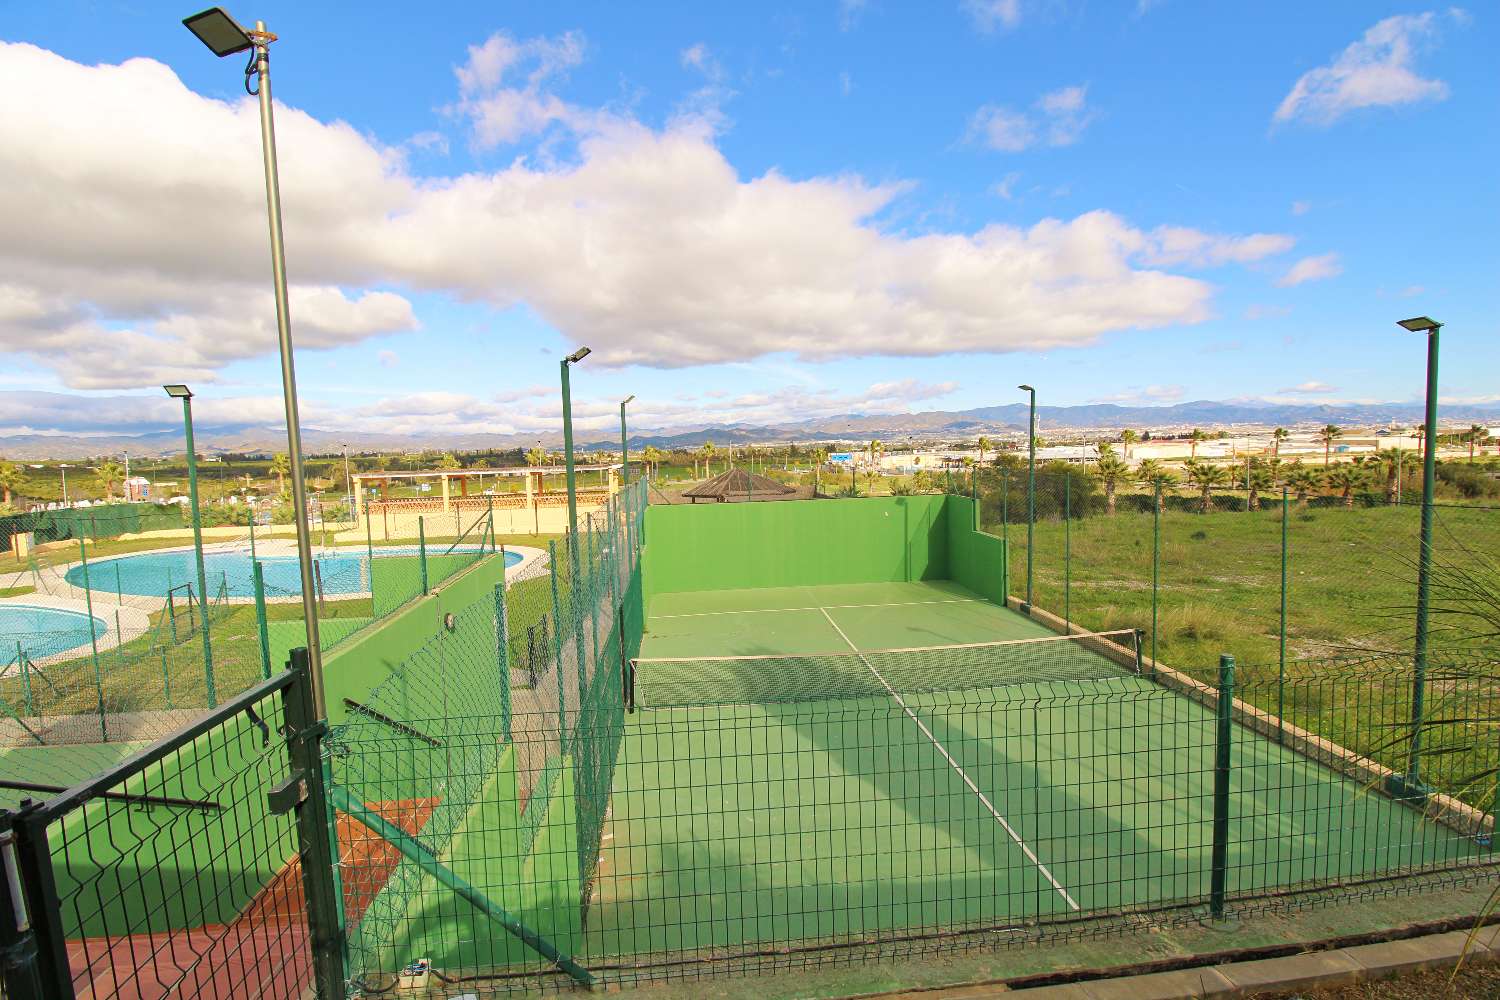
[[737, 484]]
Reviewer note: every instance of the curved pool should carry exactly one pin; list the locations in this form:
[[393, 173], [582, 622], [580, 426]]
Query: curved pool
[[45, 631], [153, 574]]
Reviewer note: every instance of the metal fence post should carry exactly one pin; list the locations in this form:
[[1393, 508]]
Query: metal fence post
[[502, 655], [260, 620], [39, 889], [19, 974], [1155, 566], [1223, 736], [1286, 511], [1068, 552], [557, 629], [317, 855], [422, 549], [88, 597]]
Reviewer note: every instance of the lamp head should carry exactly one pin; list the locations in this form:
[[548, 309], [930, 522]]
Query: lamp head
[[627, 399], [1420, 324], [578, 355], [178, 391], [1025, 388], [217, 30]]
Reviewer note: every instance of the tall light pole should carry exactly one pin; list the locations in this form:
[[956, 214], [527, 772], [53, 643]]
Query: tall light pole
[[567, 415], [185, 394], [1423, 324], [348, 479], [63, 467], [224, 37], [624, 442], [1030, 493]]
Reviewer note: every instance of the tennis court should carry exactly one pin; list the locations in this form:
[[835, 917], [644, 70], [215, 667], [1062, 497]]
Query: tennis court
[[971, 770]]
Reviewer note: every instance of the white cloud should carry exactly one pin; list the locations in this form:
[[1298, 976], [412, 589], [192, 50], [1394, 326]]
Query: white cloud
[[502, 88], [846, 85], [1262, 311], [1005, 186], [1146, 394], [850, 12], [388, 359], [1301, 207], [1057, 118], [132, 239], [1309, 388], [1312, 269], [990, 16], [1375, 71]]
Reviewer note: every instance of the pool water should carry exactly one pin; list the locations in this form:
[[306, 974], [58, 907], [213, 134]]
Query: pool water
[[153, 574], [44, 631]]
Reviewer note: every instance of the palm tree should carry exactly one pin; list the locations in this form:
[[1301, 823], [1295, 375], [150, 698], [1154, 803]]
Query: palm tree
[[1152, 473], [1258, 479], [536, 458], [1346, 479], [984, 446], [1128, 437], [1327, 435], [651, 456], [1302, 481], [876, 448], [281, 467], [11, 478], [1206, 477], [1110, 471], [707, 451], [1279, 435], [449, 461], [1193, 439], [1476, 434], [108, 475], [1389, 461], [1421, 432]]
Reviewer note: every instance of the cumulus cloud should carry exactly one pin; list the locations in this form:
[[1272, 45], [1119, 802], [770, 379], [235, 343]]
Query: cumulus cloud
[[989, 16], [1375, 71], [1312, 269], [1136, 395], [132, 237], [1057, 118]]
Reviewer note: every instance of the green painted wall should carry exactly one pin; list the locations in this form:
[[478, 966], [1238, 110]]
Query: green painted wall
[[794, 543], [975, 559]]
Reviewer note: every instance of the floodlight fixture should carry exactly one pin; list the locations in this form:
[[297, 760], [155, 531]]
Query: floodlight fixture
[[178, 391], [220, 32], [578, 355], [1025, 388], [627, 399], [1420, 324]]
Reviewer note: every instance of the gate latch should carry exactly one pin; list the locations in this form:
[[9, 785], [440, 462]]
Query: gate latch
[[288, 795]]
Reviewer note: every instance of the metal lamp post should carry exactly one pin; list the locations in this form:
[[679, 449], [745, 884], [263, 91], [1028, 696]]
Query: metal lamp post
[[1030, 492], [224, 37], [1423, 324], [567, 415], [185, 394], [63, 468], [624, 443]]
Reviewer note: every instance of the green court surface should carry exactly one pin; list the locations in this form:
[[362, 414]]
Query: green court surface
[[744, 825]]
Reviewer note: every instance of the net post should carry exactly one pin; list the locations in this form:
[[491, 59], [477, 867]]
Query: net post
[[1068, 552], [1223, 738], [25, 668], [422, 549], [1140, 642], [502, 655]]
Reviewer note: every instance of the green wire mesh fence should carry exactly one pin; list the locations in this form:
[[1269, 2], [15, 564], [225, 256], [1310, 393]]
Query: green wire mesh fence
[[127, 647]]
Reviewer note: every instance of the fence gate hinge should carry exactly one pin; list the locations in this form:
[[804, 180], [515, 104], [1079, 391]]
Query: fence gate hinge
[[288, 795]]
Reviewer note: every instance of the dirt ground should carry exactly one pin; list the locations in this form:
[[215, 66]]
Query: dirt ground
[[1472, 982]]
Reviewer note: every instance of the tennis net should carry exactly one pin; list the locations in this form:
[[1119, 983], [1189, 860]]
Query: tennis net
[[673, 682]]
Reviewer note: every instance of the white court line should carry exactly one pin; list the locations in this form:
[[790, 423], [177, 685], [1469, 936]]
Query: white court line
[[862, 653], [961, 772], [836, 607]]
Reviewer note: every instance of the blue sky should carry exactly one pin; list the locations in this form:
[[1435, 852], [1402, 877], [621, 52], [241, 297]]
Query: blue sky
[[751, 212]]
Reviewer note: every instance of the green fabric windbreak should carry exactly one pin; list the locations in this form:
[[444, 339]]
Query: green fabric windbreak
[[795, 543]]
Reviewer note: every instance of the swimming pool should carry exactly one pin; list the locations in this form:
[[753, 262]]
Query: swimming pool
[[153, 574], [44, 631]]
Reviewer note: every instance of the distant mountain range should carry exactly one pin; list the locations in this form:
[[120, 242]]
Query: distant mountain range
[[934, 425]]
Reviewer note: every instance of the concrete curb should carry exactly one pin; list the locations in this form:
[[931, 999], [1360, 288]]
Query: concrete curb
[[1335, 967]]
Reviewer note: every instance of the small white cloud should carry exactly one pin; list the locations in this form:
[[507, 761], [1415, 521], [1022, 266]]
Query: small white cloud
[[1372, 72], [1301, 207], [1309, 388], [1148, 394], [1312, 269], [849, 13], [388, 359], [846, 85], [1260, 311], [990, 16], [1057, 118], [1005, 187]]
